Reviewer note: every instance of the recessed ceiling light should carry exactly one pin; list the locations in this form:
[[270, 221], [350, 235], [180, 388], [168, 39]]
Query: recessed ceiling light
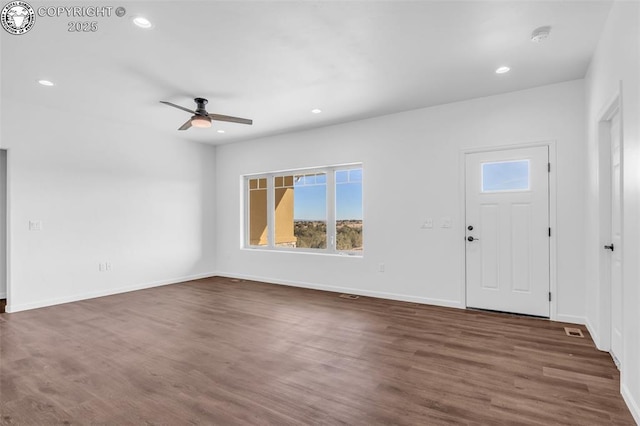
[[503, 70], [142, 22], [220, 131], [316, 111], [45, 82]]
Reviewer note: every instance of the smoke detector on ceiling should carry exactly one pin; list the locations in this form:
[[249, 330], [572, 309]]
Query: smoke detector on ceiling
[[540, 34]]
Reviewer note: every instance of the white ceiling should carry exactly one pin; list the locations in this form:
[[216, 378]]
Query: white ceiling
[[274, 61]]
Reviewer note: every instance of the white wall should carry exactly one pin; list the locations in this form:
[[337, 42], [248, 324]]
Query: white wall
[[412, 172], [105, 192], [615, 62], [3, 223]]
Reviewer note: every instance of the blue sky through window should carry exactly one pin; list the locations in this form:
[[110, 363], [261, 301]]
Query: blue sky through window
[[349, 201], [311, 195], [505, 176], [310, 202]]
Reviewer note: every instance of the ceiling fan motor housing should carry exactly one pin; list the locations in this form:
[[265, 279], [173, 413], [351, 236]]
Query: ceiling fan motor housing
[[200, 106]]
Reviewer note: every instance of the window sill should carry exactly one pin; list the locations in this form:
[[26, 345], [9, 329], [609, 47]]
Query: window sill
[[356, 255]]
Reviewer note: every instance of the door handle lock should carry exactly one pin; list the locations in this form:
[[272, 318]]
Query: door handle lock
[[470, 238], [609, 247]]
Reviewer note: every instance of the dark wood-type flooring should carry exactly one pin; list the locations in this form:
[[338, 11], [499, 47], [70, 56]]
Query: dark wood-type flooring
[[215, 351]]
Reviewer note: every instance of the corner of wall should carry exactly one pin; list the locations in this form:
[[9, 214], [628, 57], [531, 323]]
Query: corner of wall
[[593, 331], [631, 403]]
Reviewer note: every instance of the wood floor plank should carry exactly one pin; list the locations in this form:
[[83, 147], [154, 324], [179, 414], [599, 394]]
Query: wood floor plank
[[232, 352]]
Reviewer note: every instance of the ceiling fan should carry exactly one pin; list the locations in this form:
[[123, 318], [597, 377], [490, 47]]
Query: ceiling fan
[[201, 118]]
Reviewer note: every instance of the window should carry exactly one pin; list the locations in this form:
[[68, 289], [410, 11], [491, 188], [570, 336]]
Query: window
[[505, 176], [314, 210], [258, 212], [349, 209]]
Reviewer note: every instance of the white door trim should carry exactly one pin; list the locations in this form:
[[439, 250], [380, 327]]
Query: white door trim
[[8, 230], [551, 144]]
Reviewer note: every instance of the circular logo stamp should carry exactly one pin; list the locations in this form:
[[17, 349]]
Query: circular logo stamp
[[120, 11], [17, 17]]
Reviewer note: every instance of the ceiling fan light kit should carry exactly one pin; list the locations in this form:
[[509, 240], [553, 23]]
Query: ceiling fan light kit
[[201, 118], [200, 121]]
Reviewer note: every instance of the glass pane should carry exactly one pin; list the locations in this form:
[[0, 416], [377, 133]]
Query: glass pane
[[284, 211], [258, 235], [349, 210], [505, 176], [342, 176], [355, 175], [301, 212], [322, 178]]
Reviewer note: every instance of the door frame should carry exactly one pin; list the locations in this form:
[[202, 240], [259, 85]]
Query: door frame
[[8, 230], [551, 145], [603, 146]]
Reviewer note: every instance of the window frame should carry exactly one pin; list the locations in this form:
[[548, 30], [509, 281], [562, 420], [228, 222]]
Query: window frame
[[331, 213]]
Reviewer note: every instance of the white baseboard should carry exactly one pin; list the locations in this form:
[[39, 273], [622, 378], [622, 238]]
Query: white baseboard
[[12, 308], [634, 405], [357, 291], [571, 319]]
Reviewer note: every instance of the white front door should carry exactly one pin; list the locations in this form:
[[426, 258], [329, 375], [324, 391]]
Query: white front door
[[616, 241], [507, 230]]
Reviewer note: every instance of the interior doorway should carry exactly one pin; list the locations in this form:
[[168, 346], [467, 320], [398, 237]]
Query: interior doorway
[[611, 227], [3, 229]]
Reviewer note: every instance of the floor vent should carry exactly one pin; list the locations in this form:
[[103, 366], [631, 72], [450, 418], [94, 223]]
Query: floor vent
[[349, 296], [573, 332]]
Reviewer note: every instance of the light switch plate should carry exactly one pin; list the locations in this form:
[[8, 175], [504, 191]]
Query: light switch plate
[[427, 224], [35, 225]]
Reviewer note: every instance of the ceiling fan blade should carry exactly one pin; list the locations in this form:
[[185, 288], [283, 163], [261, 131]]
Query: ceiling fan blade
[[219, 117], [186, 125], [178, 106]]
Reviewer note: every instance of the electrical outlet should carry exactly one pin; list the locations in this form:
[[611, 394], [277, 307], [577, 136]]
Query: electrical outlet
[[381, 267], [101, 267], [446, 222], [107, 266]]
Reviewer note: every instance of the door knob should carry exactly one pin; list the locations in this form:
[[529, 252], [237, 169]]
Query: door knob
[[609, 247], [470, 238]]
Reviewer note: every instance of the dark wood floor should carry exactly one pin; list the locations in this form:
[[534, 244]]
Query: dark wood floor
[[216, 351]]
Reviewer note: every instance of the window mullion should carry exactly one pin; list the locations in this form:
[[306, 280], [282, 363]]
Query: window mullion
[[331, 211], [271, 208]]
